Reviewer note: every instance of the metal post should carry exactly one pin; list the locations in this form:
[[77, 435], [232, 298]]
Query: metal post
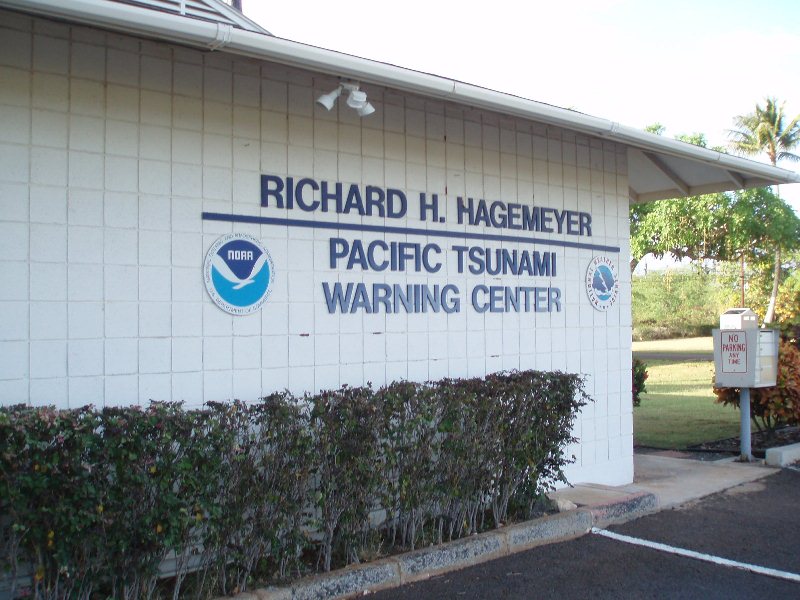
[[744, 433]]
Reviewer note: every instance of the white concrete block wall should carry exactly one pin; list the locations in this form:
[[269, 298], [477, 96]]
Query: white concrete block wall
[[112, 147]]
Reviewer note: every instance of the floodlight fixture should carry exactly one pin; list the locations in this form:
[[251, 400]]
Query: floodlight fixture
[[356, 99], [365, 110], [328, 100]]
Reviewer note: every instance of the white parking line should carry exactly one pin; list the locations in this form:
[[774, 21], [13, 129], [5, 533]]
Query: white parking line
[[698, 555]]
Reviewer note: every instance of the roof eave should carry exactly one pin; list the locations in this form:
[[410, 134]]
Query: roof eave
[[211, 36]]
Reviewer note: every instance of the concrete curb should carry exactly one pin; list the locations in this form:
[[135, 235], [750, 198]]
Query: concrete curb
[[783, 455], [421, 564], [624, 509]]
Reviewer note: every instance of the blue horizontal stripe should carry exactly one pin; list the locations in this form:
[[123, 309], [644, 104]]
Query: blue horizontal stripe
[[461, 235]]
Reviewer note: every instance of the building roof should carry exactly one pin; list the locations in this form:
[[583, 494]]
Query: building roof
[[659, 168], [213, 11]]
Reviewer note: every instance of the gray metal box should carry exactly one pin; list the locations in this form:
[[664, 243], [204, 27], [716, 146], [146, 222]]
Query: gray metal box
[[744, 356]]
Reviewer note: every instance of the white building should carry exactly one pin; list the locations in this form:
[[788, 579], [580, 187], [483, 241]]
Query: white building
[[133, 137]]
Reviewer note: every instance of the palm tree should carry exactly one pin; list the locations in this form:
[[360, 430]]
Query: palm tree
[[766, 130]]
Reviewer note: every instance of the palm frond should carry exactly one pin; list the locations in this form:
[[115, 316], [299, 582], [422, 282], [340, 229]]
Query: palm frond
[[765, 131]]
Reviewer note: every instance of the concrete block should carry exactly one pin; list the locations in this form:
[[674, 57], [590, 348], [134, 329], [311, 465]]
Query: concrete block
[[353, 580], [14, 321], [48, 359], [421, 564], [48, 392], [784, 455], [121, 356], [15, 360], [155, 319], [121, 390]]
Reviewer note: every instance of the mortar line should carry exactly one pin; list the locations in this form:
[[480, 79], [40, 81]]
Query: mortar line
[[725, 562]]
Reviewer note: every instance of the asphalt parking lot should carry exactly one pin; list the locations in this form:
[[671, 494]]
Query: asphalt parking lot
[[756, 523]]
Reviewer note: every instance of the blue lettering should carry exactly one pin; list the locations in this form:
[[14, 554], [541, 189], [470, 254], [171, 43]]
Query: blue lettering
[[546, 220], [373, 264], [513, 215], [481, 308], [554, 300], [375, 198], [357, 256], [326, 196], [361, 299], [298, 194], [271, 185], [335, 252], [498, 220], [540, 300], [354, 201], [396, 204], [336, 299], [381, 293], [462, 210], [451, 302], [586, 224]]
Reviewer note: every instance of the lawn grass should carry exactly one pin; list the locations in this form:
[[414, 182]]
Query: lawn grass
[[678, 409], [696, 345]]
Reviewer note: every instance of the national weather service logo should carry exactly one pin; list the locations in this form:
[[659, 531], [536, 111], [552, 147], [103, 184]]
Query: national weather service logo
[[602, 283], [238, 272]]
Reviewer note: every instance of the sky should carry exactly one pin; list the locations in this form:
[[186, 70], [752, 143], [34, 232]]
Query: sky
[[690, 65]]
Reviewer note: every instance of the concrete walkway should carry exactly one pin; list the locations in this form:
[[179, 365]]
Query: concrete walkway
[[672, 481]]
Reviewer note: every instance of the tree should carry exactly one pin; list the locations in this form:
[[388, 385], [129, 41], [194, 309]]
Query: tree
[[766, 130], [692, 227], [722, 227]]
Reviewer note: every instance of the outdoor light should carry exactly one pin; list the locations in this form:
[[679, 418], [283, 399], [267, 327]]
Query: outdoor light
[[365, 110], [356, 99], [329, 99]]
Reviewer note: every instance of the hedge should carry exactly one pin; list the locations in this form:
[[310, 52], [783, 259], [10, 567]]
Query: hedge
[[103, 502]]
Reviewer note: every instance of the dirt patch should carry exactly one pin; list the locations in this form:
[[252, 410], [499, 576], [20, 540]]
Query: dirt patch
[[760, 442]]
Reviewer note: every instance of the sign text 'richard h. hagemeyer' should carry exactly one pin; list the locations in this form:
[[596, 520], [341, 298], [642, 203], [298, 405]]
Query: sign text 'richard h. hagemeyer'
[[485, 221]]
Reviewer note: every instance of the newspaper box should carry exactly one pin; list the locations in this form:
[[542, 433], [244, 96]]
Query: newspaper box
[[744, 355]]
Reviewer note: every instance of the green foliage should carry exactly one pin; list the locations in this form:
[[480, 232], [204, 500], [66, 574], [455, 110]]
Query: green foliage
[[639, 376], [98, 500], [410, 438], [788, 302], [97, 503], [674, 304], [761, 223], [265, 447], [751, 223], [348, 466]]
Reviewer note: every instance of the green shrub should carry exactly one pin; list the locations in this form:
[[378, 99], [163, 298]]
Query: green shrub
[[348, 467], [99, 503], [411, 443], [639, 375]]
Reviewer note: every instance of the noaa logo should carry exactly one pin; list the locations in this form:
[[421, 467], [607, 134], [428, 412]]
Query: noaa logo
[[602, 283], [238, 272]]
